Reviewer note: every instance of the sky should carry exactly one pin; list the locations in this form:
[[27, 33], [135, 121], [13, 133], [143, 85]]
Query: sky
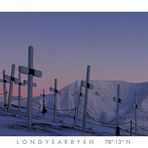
[[114, 44]]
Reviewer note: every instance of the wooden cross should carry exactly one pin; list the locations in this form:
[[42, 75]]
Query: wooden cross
[[44, 110], [31, 73], [55, 91], [118, 101], [19, 83], [87, 86], [12, 80], [4, 81], [78, 103], [135, 112]]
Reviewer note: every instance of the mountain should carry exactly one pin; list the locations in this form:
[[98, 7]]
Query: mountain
[[100, 99]]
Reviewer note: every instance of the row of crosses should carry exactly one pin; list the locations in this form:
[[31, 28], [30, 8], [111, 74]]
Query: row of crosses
[[31, 72], [11, 80]]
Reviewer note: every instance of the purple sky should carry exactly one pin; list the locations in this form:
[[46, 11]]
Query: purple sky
[[114, 44]]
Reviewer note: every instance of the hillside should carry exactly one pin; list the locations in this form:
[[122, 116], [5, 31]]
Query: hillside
[[101, 114]]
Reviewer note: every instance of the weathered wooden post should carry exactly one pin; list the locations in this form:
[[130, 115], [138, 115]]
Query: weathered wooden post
[[118, 101], [44, 110], [87, 86], [30, 72], [135, 111], [4, 90], [11, 86], [19, 83], [55, 91], [78, 104]]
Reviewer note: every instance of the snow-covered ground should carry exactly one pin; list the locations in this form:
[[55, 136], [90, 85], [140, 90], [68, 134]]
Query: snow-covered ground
[[101, 114]]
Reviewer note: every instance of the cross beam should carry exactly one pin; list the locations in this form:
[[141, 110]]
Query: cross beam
[[9, 78], [30, 71], [25, 82]]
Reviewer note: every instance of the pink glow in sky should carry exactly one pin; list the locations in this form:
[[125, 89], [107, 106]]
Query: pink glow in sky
[[114, 44]]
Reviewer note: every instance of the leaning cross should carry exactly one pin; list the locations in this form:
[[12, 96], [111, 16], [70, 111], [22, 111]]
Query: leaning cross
[[11, 79]]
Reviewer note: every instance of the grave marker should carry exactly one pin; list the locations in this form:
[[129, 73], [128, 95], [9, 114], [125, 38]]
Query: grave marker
[[4, 90], [135, 112], [31, 73], [44, 110], [87, 87], [118, 101], [19, 83], [55, 91], [78, 104], [11, 79]]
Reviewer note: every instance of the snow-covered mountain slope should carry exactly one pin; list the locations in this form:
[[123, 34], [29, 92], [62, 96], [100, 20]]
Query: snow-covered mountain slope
[[100, 99], [101, 106], [101, 113]]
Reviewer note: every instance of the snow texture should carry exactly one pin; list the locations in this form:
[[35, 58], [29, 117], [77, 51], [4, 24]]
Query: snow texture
[[101, 113]]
